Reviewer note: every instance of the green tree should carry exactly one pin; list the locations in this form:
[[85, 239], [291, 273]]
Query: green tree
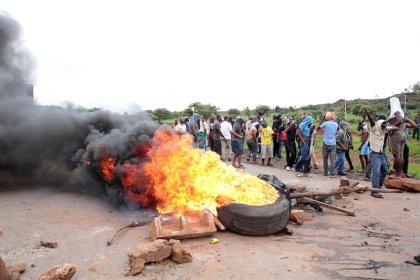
[[356, 109], [206, 110], [234, 112], [263, 109], [162, 113], [246, 112]]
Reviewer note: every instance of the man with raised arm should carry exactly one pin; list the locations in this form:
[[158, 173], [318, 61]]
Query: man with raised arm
[[396, 135], [378, 158]]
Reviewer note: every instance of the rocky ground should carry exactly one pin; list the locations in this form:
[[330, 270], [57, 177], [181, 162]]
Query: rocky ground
[[330, 245]]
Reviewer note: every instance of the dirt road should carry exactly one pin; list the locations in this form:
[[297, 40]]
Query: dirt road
[[329, 245]]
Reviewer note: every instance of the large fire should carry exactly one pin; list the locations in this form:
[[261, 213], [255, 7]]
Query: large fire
[[176, 178]]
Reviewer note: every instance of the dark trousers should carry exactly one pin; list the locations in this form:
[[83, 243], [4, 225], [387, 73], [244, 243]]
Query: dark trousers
[[252, 147], [303, 163], [329, 152], [406, 155], [275, 147], [348, 158], [290, 153], [211, 143], [217, 146], [416, 131]]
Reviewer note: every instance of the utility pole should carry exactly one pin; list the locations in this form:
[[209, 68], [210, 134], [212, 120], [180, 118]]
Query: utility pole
[[405, 102], [345, 108]]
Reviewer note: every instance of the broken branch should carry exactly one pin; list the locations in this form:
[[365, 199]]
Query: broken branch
[[310, 200], [130, 225]]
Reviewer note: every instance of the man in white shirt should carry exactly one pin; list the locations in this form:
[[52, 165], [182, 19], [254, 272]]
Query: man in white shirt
[[377, 157], [226, 128], [181, 127]]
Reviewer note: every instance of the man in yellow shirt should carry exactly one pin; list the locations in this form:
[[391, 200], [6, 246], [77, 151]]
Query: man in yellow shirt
[[266, 134]]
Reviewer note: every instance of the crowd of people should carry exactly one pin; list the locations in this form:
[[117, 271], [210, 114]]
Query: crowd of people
[[227, 137]]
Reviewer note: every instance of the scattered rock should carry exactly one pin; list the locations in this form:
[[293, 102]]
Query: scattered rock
[[137, 266], [17, 267], [344, 182], [1, 231], [61, 272], [49, 244], [356, 198], [288, 231], [151, 252], [296, 216], [406, 209], [3, 271], [180, 255]]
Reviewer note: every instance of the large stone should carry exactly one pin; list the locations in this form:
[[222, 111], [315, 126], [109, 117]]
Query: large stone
[[61, 272], [3, 271], [180, 255], [151, 252]]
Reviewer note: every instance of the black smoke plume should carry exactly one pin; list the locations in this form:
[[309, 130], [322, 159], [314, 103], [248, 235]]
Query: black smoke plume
[[50, 144]]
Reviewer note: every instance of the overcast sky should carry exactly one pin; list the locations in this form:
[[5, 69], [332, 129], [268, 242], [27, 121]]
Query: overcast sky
[[122, 55]]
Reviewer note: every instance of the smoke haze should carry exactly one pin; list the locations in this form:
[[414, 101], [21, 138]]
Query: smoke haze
[[50, 144]]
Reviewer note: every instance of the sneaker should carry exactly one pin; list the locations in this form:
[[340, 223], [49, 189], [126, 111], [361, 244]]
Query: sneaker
[[366, 179], [342, 174], [269, 164], [299, 174], [288, 168], [307, 175]]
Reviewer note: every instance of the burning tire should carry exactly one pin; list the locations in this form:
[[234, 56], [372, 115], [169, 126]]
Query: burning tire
[[256, 220]]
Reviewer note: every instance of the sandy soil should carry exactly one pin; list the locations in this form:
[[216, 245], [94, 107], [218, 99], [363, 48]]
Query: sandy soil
[[329, 245]]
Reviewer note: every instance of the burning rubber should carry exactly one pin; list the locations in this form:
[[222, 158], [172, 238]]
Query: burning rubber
[[258, 219]]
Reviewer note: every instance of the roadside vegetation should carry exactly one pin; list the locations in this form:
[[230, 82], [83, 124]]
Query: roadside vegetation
[[348, 110]]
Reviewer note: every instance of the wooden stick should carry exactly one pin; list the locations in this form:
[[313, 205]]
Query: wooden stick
[[310, 200], [132, 224]]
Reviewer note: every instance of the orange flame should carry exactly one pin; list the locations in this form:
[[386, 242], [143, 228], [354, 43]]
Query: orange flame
[[107, 165], [177, 178]]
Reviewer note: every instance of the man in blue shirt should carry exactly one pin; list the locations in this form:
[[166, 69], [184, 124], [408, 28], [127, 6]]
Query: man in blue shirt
[[330, 127]]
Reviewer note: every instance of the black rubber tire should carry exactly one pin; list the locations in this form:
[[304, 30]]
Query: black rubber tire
[[256, 220]]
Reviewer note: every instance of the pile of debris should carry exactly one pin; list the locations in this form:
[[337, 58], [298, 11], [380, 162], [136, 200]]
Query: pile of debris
[[317, 199], [156, 251]]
